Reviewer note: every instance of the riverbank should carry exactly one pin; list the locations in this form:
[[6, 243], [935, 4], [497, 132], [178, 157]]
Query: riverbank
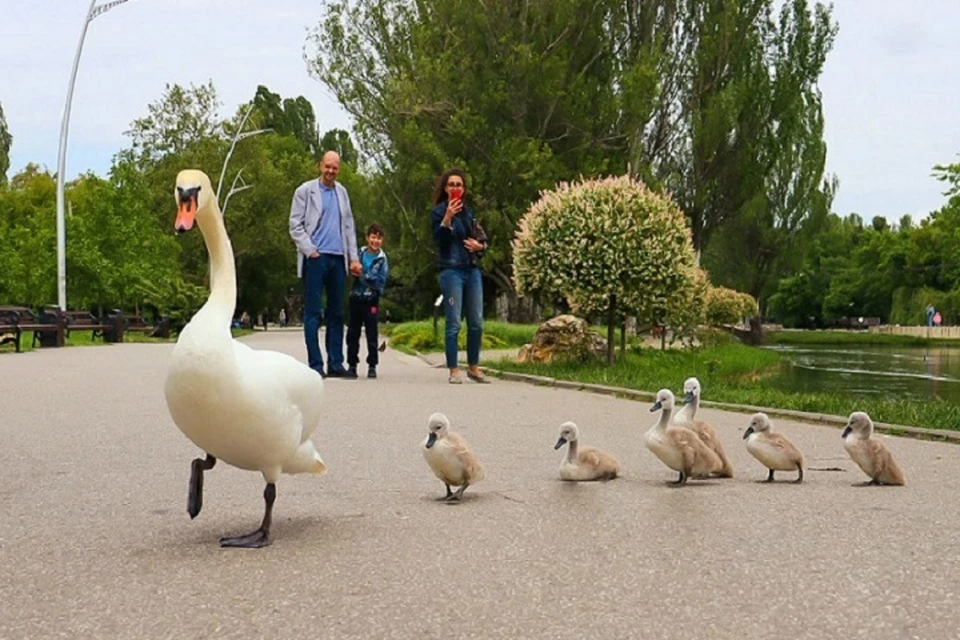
[[737, 375]]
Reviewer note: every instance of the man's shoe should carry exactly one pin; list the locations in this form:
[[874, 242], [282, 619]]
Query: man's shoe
[[351, 373], [336, 373], [372, 372]]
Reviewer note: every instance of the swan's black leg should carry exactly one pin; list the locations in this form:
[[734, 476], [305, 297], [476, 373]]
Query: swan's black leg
[[799, 477], [455, 497], [260, 537], [195, 491], [682, 480], [449, 493], [770, 477]]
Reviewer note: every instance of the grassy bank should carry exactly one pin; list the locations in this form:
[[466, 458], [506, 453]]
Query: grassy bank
[[738, 374], [419, 336], [826, 337]]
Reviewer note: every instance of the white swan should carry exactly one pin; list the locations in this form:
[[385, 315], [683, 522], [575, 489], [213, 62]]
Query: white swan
[[254, 410]]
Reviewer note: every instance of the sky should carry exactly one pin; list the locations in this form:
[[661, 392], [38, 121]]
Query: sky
[[891, 86]]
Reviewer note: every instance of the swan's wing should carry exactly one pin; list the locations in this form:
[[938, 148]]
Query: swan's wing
[[588, 457], [283, 383], [786, 447], [473, 470]]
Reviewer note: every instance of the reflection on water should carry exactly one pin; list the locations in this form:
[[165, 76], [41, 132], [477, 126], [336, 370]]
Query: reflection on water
[[917, 373]]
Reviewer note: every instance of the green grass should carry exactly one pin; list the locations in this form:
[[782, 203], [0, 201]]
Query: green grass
[[827, 337], [737, 374], [85, 339], [419, 335]]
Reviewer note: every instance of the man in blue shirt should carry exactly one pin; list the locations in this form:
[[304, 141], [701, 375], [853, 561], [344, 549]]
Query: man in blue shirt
[[322, 227]]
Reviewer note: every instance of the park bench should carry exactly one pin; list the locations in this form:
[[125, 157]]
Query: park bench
[[134, 322], [16, 321], [86, 321]]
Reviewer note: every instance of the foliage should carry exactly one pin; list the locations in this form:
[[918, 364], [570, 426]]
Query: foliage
[[419, 335], [607, 246], [339, 140], [726, 306], [293, 117], [6, 141], [178, 120], [532, 107]]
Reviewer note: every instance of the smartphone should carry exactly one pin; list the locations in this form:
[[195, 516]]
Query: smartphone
[[456, 194]]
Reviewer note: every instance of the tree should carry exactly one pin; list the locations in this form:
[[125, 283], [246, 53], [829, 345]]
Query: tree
[[339, 140], [292, 117], [609, 246], [529, 109], [179, 119], [6, 141]]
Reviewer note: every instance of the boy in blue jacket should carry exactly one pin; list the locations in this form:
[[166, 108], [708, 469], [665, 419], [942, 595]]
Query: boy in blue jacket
[[365, 302]]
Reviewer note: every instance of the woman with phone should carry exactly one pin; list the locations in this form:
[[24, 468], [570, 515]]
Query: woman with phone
[[460, 245]]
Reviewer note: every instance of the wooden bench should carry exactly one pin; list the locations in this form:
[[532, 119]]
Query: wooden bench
[[86, 321], [17, 321]]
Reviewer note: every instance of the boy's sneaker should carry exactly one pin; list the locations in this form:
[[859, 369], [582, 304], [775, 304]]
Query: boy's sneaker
[[351, 373], [372, 372]]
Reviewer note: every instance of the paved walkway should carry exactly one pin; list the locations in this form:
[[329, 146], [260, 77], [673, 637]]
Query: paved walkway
[[95, 541]]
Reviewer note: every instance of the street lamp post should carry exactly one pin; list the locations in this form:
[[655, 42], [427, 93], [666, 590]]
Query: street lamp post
[[94, 11]]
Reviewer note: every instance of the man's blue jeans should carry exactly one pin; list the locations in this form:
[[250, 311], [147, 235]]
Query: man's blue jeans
[[462, 296], [324, 274]]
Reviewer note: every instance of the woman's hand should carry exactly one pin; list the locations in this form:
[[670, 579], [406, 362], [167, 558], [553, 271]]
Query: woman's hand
[[473, 245]]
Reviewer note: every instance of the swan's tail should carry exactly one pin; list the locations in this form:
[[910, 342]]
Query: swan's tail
[[306, 460]]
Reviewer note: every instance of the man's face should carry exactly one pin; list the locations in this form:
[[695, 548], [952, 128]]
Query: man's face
[[374, 242], [329, 169]]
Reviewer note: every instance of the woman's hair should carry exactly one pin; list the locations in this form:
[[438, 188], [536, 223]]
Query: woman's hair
[[440, 192]]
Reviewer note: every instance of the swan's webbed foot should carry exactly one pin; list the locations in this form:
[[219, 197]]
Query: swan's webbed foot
[[255, 540], [800, 476], [195, 490], [260, 537], [682, 480], [456, 497]]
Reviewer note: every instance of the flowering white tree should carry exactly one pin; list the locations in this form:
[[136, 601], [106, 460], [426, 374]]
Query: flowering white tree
[[612, 246]]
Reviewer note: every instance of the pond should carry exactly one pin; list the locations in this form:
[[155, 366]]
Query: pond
[[893, 372]]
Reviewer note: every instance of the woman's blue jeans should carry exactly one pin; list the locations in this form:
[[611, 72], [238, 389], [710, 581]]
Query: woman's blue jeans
[[462, 296]]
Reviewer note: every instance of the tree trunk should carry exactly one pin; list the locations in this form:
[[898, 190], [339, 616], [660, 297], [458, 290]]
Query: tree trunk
[[611, 327]]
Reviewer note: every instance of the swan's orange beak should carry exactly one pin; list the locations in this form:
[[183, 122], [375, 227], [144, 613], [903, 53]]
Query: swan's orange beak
[[186, 213]]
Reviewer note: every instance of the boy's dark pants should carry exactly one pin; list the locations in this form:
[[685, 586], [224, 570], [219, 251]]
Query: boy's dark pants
[[363, 313]]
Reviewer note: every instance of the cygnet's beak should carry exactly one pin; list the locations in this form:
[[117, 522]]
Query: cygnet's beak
[[687, 399], [846, 432], [562, 441], [656, 406], [746, 434], [431, 439]]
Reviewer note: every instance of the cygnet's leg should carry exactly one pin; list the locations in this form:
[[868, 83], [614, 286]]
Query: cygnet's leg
[[682, 480], [800, 476], [195, 491], [459, 494], [260, 537], [449, 493], [770, 477]]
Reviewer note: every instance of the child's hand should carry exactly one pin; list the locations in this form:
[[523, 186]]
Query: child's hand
[[355, 268]]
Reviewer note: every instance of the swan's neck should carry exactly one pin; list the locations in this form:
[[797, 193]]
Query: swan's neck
[[223, 274], [572, 451], [694, 405], [665, 414]]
